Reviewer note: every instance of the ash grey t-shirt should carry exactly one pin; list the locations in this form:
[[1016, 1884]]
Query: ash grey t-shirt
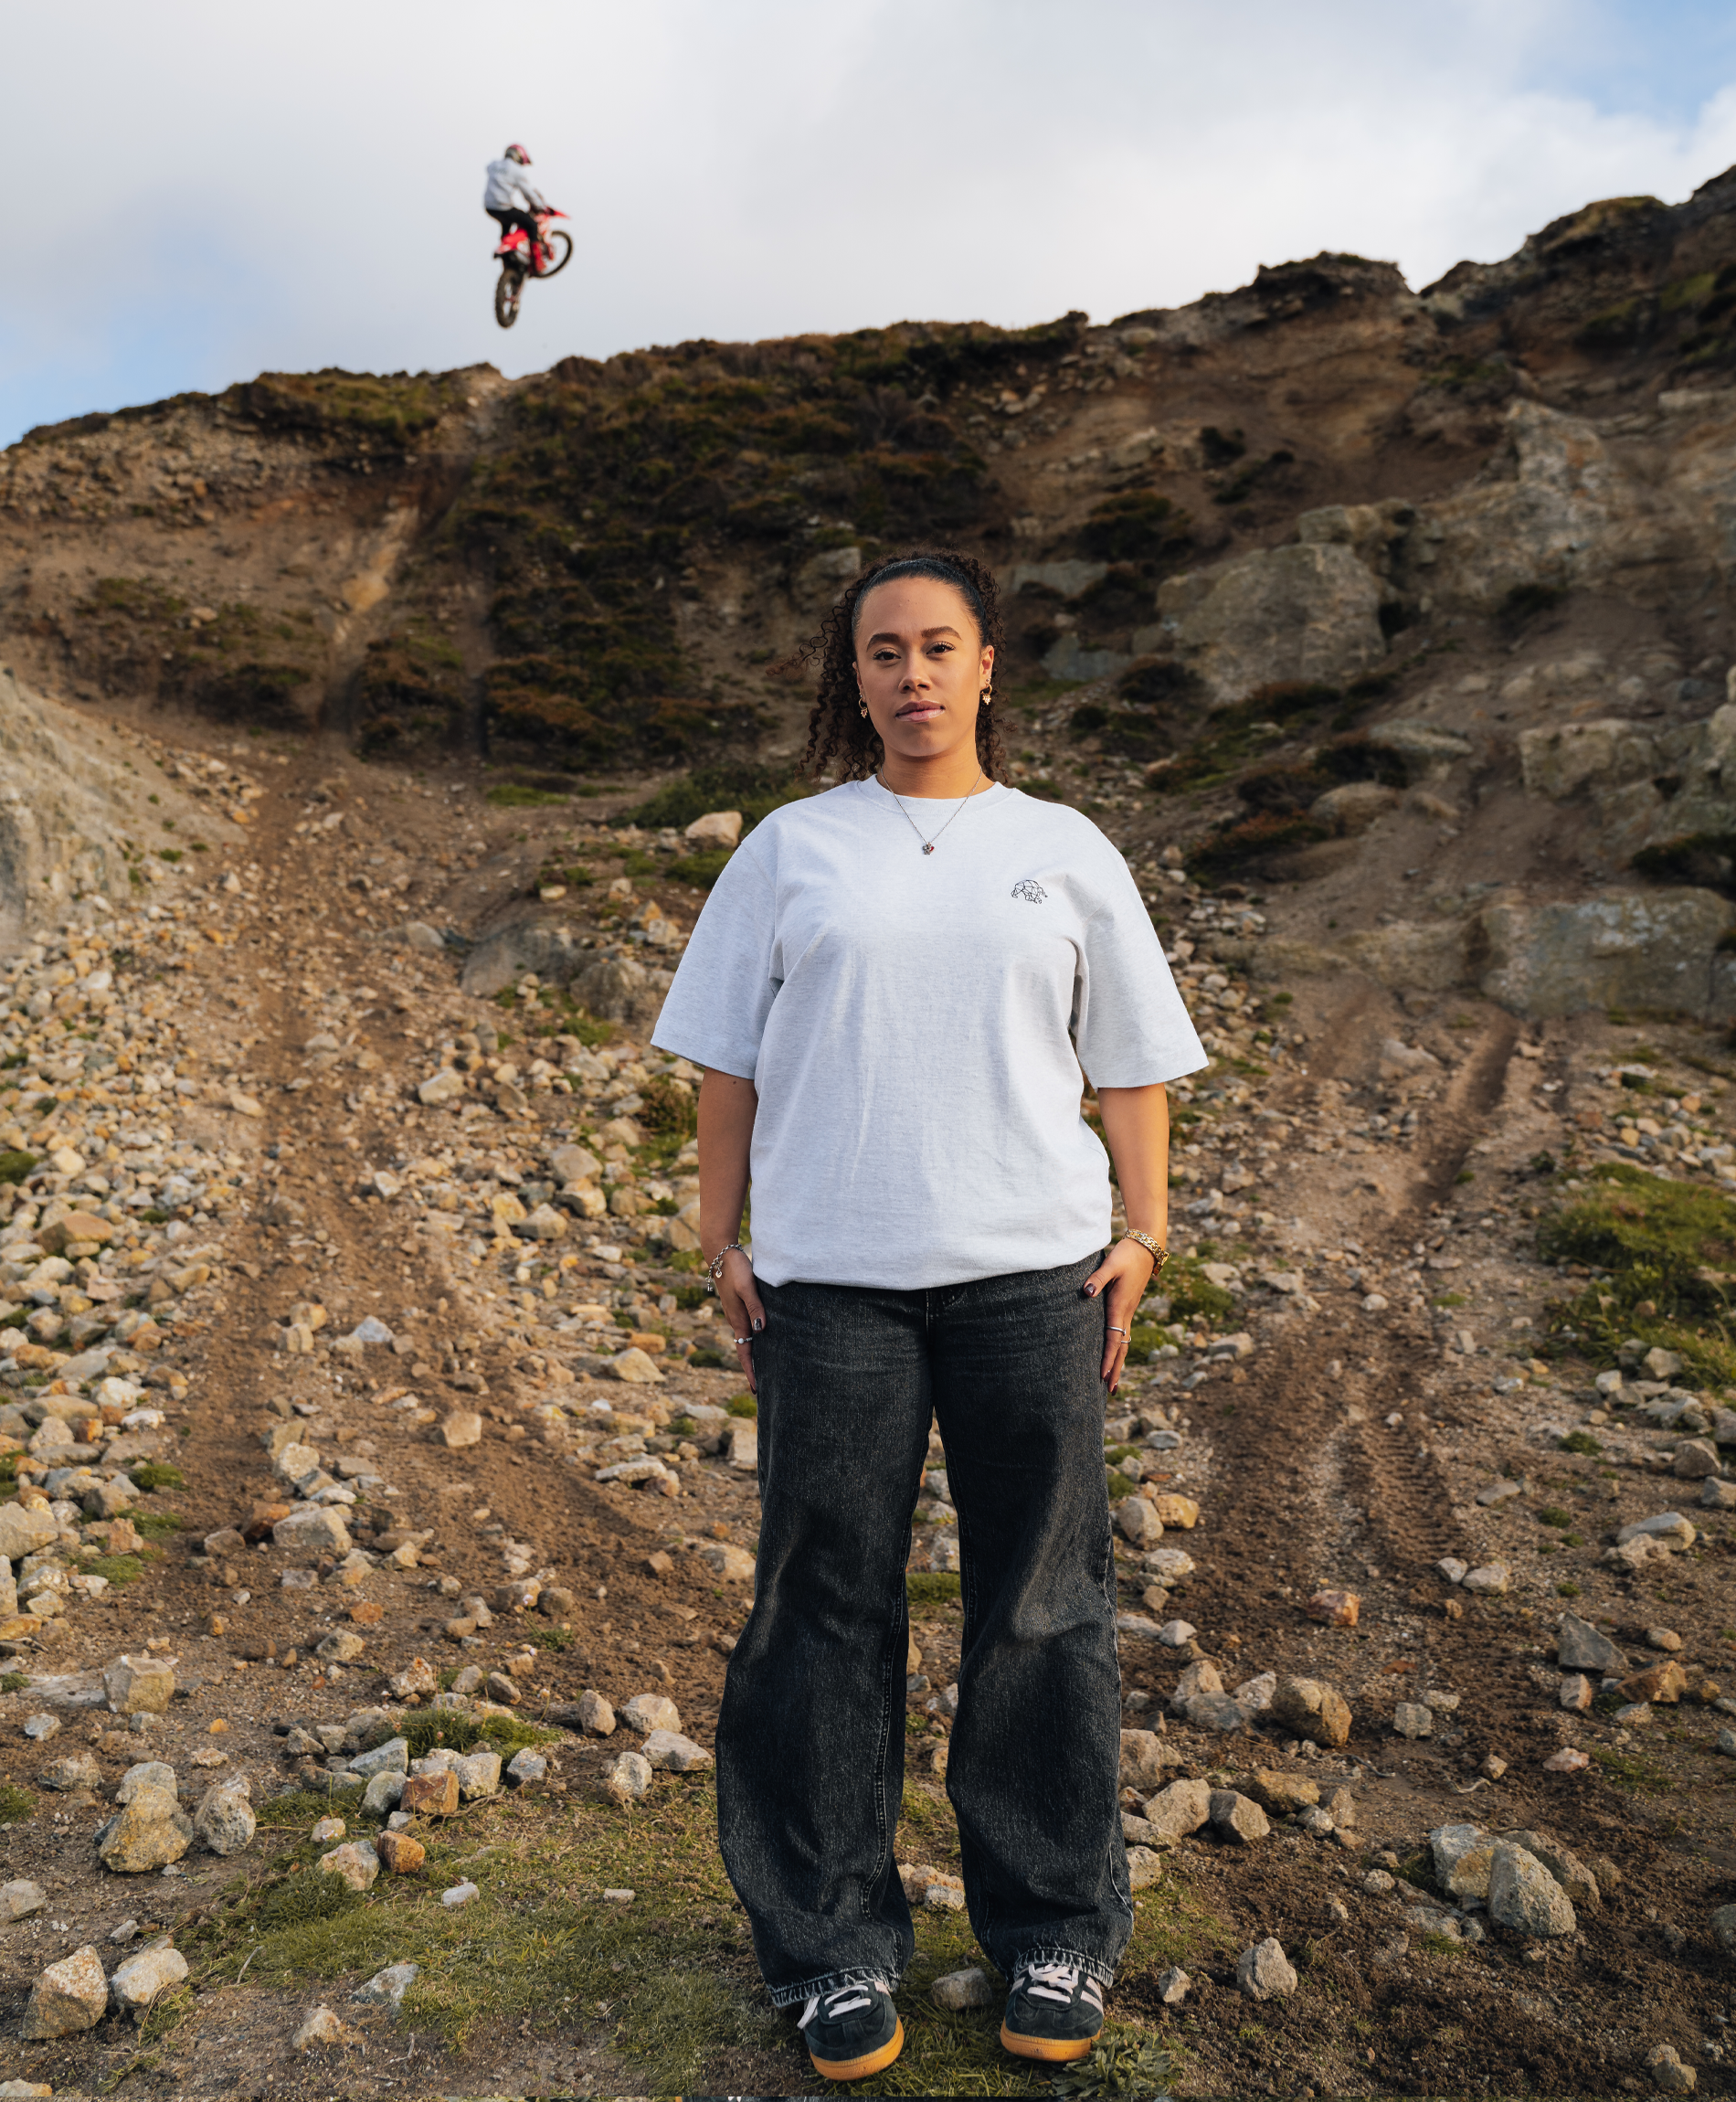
[[909, 1021]]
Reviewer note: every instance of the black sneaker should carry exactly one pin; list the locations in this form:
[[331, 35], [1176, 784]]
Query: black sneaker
[[853, 2032], [1054, 2012]]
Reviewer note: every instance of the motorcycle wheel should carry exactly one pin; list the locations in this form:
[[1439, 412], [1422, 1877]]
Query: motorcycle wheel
[[506, 297], [560, 247]]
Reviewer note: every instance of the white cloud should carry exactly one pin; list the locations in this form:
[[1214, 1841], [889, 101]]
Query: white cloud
[[232, 189]]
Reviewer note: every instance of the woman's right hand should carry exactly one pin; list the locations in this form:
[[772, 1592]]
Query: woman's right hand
[[739, 1298]]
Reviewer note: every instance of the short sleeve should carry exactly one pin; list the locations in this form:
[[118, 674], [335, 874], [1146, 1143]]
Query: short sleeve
[[1132, 1028], [716, 1010]]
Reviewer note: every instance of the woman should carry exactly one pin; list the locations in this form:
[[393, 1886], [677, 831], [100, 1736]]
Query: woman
[[884, 991]]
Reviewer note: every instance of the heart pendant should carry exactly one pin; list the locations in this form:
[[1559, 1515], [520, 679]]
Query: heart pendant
[[928, 846]]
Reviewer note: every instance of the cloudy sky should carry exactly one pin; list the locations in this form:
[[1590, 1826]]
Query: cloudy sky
[[195, 192]]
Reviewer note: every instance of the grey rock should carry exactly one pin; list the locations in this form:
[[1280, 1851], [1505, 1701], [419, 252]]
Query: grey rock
[[384, 1793], [386, 1987], [320, 2026], [19, 1900], [503, 957], [149, 1833], [1173, 1985], [77, 1770], [669, 1749], [595, 1717], [627, 1778], [1305, 613], [1525, 1897], [1142, 1760], [143, 1979], [1724, 1928], [1620, 948], [1413, 1719], [1718, 1495], [67, 1998], [1562, 1862], [224, 1823], [1580, 1647], [1265, 1972], [1179, 1810], [1144, 1868], [392, 1758], [1237, 1818], [528, 1766], [960, 1990], [147, 1774], [1669, 2075], [648, 1712], [478, 1774], [41, 1727]]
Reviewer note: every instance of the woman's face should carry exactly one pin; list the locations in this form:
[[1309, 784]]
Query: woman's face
[[920, 667]]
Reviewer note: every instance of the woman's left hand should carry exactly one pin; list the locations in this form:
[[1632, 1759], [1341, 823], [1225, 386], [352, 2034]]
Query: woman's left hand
[[1121, 1279]]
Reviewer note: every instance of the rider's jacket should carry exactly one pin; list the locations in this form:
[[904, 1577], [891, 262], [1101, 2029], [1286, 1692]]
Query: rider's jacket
[[506, 183]]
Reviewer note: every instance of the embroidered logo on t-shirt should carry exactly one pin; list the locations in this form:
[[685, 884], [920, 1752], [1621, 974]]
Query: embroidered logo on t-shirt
[[1031, 890]]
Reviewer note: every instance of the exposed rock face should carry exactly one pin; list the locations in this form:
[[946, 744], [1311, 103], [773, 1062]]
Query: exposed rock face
[[1310, 612], [1638, 949], [65, 806]]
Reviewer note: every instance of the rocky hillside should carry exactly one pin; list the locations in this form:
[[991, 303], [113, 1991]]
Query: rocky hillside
[[377, 1506]]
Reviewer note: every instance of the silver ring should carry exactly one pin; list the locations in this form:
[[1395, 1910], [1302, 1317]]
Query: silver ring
[[743, 1339], [1114, 1331]]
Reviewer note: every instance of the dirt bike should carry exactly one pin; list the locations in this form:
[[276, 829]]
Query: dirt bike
[[552, 252]]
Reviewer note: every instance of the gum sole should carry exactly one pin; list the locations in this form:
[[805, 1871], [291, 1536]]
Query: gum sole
[[1053, 2050], [860, 2068]]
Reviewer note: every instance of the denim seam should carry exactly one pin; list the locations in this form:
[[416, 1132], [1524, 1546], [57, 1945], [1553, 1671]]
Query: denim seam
[[1053, 1952], [833, 1981]]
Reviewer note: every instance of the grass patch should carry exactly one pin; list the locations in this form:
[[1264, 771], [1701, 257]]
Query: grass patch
[[1670, 1249], [13, 1681], [503, 1733], [932, 1587], [1638, 1777], [16, 1803], [742, 1405], [117, 1569], [514, 795], [155, 1474], [14, 1166], [1581, 1441], [157, 1525], [304, 1806]]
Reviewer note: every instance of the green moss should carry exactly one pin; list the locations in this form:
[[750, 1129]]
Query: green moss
[[117, 1569], [1635, 1776], [1581, 1441], [157, 1525], [742, 1405], [17, 1167], [430, 1726], [1193, 1295], [16, 1803], [153, 1474], [13, 1681], [513, 795], [931, 1587]]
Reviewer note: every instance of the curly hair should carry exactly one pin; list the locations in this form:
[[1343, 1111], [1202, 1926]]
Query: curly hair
[[838, 732]]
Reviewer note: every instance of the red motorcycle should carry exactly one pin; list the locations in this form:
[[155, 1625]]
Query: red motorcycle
[[518, 260]]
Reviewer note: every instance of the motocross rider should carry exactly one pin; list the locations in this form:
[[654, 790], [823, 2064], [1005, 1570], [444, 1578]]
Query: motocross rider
[[506, 183]]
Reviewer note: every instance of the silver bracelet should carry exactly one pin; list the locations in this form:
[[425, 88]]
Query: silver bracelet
[[715, 1269]]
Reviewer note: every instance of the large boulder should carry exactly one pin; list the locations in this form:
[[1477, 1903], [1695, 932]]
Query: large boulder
[[529, 947], [1624, 949], [1305, 612]]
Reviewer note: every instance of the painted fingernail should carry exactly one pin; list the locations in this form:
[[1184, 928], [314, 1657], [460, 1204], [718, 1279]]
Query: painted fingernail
[[760, 1324], [1091, 1291]]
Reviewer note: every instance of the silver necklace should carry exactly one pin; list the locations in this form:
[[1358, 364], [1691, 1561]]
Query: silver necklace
[[928, 845]]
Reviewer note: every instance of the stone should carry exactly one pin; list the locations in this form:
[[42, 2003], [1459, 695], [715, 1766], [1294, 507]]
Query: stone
[[224, 1823], [1577, 1693], [67, 1998], [1580, 1647], [1144, 1868], [1412, 1719], [1265, 1972], [341, 1647], [383, 1794], [463, 1427], [1664, 1683], [960, 1990], [1620, 948], [143, 1979], [595, 1717], [1312, 1709], [25, 1529], [1450, 1568], [138, 1685], [626, 1778], [1696, 1461], [1718, 1495], [19, 1900], [1179, 1512], [321, 2026], [150, 1833], [1173, 1986], [401, 1854], [723, 828], [431, 1795], [386, 1987], [478, 1774], [327, 1829], [648, 1712], [1138, 1523], [670, 1750], [41, 1727], [1142, 1760], [527, 1767], [1335, 1609], [391, 1757], [1180, 1809], [1491, 1580], [1237, 1816], [313, 1530], [460, 1893], [1724, 1928], [1281, 1795], [1524, 1897], [1574, 1877], [1353, 807], [1305, 613], [417, 1679], [638, 1369], [1669, 2075], [731, 1565], [1665, 1526], [355, 1862], [77, 1770]]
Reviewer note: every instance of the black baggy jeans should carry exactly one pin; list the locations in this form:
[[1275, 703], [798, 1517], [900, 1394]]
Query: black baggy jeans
[[811, 1734]]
